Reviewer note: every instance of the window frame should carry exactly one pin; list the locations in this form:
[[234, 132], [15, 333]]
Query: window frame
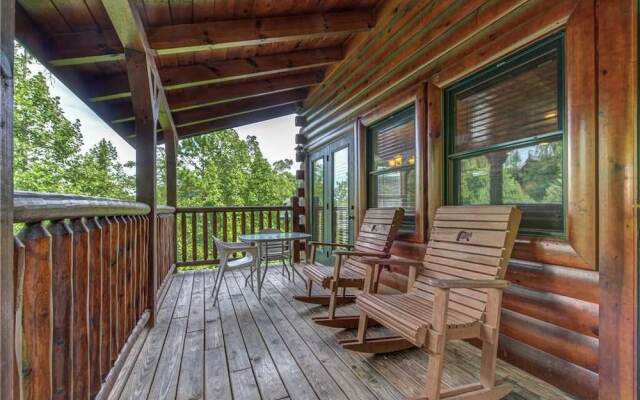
[[494, 70], [398, 117]]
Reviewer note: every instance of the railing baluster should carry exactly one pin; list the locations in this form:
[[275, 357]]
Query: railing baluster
[[114, 276], [205, 237], [252, 216], [80, 294], [224, 226], [286, 221], [234, 226], [243, 222], [34, 317], [277, 219], [122, 268], [95, 303], [269, 220], [18, 278], [183, 223], [194, 240], [214, 231], [63, 332], [261, 220], [105, 312]]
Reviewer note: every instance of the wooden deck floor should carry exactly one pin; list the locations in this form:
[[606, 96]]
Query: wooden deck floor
[[247, 349]]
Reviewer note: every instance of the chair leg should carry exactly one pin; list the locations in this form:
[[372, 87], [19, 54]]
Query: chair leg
[[218, 284], [309, 286], [363, 325], [333, 303]]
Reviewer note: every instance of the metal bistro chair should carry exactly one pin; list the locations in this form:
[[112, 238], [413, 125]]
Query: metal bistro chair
[[225, 252], [276, 251]]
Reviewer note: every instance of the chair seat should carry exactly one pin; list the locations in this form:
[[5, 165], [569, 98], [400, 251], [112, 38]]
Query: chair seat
[[408, 314], [322, 275]]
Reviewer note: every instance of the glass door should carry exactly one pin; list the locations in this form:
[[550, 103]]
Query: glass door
[[331, 187]]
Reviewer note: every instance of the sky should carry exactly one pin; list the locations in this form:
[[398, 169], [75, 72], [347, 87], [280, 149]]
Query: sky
[[276, 136]]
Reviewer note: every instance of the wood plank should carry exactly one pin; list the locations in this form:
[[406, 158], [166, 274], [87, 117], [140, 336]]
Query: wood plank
[[144, 370], [127, 366], [217, 383], [244, 385], [165, 381], [81, 259], [191, 381], [94, 47], [264, 370], [196, 309], [214, 71], [94, 305]]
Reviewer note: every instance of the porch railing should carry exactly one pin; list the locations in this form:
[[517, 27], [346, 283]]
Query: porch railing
[[81, 278], [197, 225]]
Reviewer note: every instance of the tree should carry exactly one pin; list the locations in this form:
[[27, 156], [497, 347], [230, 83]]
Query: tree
[[48, 153]]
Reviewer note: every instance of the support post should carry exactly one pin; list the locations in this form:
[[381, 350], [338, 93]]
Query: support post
[[170, 150], [618, 197], [145, 108], [7, 288]]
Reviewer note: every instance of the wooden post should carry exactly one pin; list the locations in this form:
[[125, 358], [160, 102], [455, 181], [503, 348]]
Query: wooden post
[[145, 107], [7, 12], [170, 150], [295, 226], [617, 227]]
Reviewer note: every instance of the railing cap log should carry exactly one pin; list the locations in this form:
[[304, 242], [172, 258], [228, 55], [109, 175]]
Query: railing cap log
[[35, 207]]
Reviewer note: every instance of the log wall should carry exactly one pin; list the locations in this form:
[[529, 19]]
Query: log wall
[[418, 48]]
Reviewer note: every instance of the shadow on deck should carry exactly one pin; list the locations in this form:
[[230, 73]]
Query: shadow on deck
[[246, 349]]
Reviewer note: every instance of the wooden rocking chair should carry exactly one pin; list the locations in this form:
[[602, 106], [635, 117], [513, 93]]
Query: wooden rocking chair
[[454, 293], [375, 238]]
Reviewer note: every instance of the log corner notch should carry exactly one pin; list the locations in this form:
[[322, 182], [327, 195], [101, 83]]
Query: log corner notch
[[7, 283], [150, 106]]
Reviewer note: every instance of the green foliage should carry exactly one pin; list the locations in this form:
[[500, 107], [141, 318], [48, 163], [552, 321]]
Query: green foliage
[[48, 153], [219, 169], [222, 169]]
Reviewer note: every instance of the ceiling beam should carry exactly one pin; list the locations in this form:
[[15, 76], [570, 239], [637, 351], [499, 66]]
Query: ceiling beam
[[224, 110], [130, 30], [187, 38], [173, 78], [237, 120], [193, 98]]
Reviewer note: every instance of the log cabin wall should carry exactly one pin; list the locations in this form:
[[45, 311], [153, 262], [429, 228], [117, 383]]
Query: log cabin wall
[[550, 320]]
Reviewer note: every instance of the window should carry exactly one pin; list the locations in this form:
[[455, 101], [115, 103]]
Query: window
[[317, 199], [391, 165], [505, 132]]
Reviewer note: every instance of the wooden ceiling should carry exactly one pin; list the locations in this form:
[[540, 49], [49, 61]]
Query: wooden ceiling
[[222, 63]]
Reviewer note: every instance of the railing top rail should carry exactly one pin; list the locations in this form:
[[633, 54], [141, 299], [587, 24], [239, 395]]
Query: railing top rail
[[231, 209], [165, 210], [34, 207]]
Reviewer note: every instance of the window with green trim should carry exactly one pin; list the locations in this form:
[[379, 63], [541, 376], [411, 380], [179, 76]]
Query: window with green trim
[[505, 137], [391, 164]]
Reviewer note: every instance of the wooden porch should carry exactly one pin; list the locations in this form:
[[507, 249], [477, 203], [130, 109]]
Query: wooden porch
[[246, 349]]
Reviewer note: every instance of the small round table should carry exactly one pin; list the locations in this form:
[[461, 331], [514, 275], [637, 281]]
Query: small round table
[[263, 238]]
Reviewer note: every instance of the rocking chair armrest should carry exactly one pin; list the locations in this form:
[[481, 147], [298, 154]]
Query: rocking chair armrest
[[317, 243], [468, 283], [361, 253]]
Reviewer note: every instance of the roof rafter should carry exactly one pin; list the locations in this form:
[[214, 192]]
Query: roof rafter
[[117, 86], [186, 38], [237, 120], [195, 98]]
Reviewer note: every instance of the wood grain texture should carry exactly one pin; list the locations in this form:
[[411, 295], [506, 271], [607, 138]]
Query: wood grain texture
[[617, 145], [8, 290]]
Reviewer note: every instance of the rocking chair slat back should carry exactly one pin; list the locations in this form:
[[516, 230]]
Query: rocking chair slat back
[[467, 243], [377, 233]]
